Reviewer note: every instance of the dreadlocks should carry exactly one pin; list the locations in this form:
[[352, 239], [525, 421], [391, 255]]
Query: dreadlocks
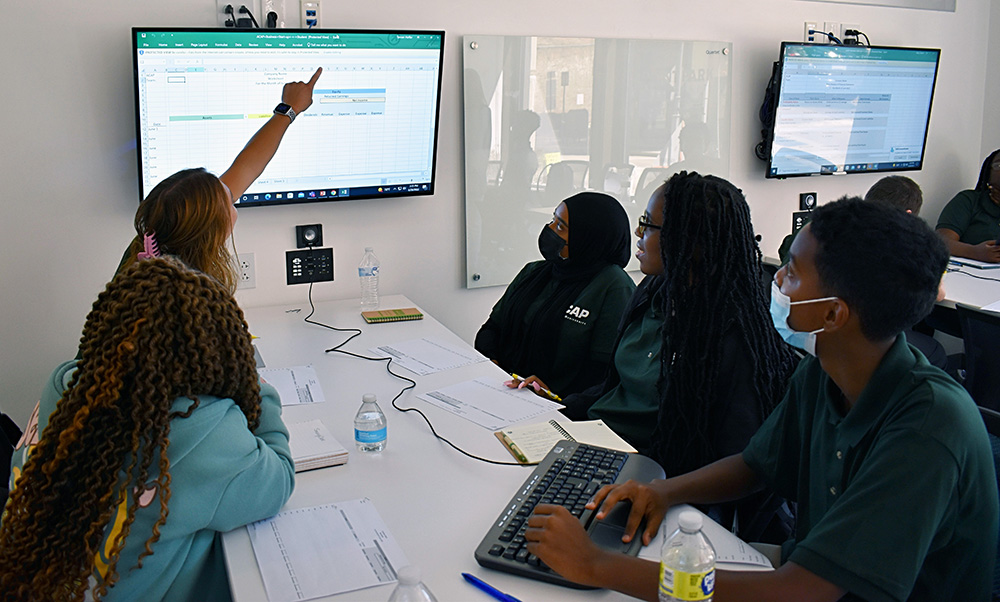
[[713, 284], [159, 331]]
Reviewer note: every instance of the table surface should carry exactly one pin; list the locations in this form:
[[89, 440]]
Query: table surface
[[437, 503], [970, 286]]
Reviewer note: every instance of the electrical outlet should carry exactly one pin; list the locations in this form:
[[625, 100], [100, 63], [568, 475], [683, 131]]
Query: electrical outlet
[[309, 265], [278, 8], [310, 14], [834, 28], [247, 270], [843, 31], [810, 26], [225, 19]]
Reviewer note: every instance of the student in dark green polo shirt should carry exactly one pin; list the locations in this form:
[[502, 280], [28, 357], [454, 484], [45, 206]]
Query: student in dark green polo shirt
[[970, 222], [886, 455], [557, 319], [697, 366]]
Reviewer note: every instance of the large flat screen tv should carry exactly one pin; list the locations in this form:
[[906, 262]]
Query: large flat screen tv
[[200, 94], [851, 109]]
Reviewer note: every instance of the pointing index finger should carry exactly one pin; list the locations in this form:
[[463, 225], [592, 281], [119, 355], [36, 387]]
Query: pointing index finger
[[315, 77]]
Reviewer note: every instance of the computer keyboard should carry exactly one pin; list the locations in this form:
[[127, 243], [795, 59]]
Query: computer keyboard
[[568, 476]]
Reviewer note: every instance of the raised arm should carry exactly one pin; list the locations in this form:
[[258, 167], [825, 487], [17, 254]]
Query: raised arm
[[255, 156]]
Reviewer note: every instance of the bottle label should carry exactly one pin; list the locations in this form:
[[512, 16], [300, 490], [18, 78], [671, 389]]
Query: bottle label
[[686, 586], [370, 436], [369, 271]]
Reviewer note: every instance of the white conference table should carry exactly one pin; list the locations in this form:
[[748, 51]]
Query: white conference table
[[437, 503], [970, 286]]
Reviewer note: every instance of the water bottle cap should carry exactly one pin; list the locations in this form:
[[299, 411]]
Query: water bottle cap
[[369, 250], [368, 398], [409, 575], [689, 521]]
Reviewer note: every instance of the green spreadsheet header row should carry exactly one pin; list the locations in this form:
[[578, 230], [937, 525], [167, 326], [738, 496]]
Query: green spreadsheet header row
[[277, 39]]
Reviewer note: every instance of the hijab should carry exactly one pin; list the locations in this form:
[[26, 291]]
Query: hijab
[[598, 237]]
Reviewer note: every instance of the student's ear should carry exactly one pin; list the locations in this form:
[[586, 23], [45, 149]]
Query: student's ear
[[836, 316]]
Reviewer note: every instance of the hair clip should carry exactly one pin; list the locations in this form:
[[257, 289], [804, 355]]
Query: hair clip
[[150, 248]]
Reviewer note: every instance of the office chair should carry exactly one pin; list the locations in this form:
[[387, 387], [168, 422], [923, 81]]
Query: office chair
[[981, 331], [992, 420], [9, 435], [649, 179], [563, 178]]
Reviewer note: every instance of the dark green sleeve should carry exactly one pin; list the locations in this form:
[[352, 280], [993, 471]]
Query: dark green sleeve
[[957, 214], [488, 338]]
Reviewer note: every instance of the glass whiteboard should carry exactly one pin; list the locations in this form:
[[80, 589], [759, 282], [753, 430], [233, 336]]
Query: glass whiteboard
[[548, 117]]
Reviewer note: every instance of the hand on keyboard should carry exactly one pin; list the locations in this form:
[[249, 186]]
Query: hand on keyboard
[[559, 540], [647, 502]]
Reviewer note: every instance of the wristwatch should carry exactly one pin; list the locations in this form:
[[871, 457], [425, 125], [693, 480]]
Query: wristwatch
[[286, 110]]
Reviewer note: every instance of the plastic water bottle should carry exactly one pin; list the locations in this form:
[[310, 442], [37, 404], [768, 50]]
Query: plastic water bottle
[[368, 272], [687, 564], [410, 588], [369, 425]]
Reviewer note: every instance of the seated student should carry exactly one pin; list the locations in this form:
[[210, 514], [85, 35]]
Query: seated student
[[697, 366], [970, 222], [886, 455], [191, 213], [141, 453], [896, 191], [557, 319]]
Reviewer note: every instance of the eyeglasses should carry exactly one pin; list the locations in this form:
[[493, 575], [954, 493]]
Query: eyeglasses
[[644, 223]]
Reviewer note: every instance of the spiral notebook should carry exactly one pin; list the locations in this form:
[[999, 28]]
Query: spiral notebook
[[392, 315], [530, 443]]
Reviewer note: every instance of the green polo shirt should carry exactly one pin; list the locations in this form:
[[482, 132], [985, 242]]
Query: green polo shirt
[[630, 408], [897, 498], [973, 216]]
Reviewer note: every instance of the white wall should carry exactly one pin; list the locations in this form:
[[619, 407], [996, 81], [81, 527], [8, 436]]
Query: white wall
[[68, 178], [991, 114]]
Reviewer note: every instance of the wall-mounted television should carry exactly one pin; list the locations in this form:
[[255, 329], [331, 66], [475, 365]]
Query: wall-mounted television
[[851, 109], [200, 94]]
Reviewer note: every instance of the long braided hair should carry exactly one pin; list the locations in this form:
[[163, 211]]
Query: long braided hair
[[712, 283], [159, 331]]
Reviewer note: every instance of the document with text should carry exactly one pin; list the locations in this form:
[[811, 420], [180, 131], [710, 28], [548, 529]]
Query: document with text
[[324, 550], [489, 403], [429, 355], [296, 385]]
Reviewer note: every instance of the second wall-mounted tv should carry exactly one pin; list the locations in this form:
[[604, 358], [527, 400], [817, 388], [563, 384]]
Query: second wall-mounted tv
[[851, 109], [371, 131]]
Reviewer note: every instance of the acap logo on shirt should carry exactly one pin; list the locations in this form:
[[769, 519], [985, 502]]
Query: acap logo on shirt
[[577, 314]]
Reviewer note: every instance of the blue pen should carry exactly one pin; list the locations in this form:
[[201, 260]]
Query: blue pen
[[489, 589]]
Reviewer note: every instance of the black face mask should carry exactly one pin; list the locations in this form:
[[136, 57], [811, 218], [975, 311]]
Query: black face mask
[[549, 244]]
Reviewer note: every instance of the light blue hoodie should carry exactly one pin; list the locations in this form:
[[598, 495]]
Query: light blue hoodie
[[222, 477]]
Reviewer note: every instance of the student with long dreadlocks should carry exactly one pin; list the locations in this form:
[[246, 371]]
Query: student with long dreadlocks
[[557, 319], [969, 222], [163, 413], [697, 366]]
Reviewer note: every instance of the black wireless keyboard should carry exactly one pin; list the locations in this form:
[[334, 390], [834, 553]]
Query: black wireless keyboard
[[568, 476]]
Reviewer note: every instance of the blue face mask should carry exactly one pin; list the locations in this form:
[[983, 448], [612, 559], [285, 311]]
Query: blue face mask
[[781, 307]]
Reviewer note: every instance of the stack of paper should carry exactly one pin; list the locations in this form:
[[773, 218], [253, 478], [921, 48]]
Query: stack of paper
[[313, 446]]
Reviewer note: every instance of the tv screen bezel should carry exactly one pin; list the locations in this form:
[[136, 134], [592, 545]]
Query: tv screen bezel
[[840, 172], [375, 194]]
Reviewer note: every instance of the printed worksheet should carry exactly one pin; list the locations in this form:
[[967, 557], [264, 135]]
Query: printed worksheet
[[489, 403], [429, 355], [296, 385], [296, 549]]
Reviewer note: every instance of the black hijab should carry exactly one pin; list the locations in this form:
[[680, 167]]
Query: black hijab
[[598, 237]]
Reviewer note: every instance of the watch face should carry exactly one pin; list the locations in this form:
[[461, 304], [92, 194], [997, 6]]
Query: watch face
[[282, 108]]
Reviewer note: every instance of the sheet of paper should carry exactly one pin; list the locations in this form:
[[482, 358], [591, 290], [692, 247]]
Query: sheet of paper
[[995, 307], [973, 263], [295, 385], [731, 552], [489, 403], [429, 355], [324, 550]]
